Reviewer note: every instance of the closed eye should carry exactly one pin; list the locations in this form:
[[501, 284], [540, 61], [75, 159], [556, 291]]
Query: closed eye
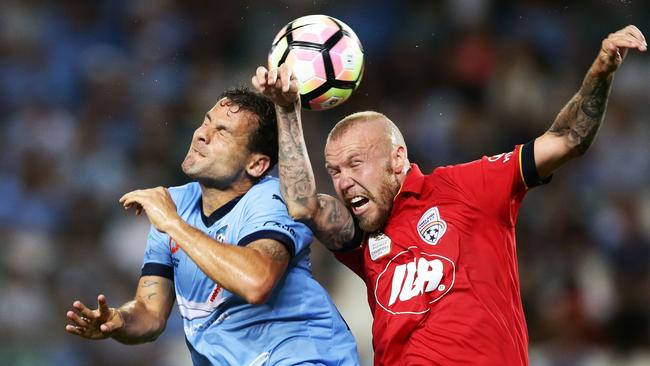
[[207, 119], [332, 172], [222, 130]]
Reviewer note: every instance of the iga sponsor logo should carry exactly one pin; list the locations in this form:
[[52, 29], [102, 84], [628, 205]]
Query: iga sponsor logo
[[415, 281]]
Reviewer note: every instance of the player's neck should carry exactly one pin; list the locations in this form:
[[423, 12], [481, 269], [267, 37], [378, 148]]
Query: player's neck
[[214, 198]]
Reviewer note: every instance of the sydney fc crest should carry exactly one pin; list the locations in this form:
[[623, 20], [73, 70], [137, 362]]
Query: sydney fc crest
[[431, 226], [220, 234]]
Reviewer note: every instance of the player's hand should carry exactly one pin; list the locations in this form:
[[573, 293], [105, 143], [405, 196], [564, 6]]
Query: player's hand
[[279, 84], [94, 324], [615, 47], [157, 204]]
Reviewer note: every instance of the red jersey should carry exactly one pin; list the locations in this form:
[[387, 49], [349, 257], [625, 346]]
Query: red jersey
[[442, 277]]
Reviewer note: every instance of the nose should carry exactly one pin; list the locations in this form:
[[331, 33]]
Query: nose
[[201, 135], [345, 181]]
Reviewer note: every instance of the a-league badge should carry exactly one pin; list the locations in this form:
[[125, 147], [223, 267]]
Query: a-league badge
[[378, 245], [431, 226]]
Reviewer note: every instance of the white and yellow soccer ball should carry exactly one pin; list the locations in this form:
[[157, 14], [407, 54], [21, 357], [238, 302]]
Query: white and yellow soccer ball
[[325, 55]]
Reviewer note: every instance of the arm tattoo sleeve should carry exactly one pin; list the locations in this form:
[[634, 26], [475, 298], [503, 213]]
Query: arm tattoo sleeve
[[335, 227], [326, 216], [297, 183], [580, 119]]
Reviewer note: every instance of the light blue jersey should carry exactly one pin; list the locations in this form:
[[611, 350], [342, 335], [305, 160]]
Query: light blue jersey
[[298, 325]]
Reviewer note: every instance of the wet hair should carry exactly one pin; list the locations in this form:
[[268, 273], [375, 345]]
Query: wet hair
[[264, 139]]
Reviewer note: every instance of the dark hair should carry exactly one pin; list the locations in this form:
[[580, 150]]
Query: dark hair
[[264, 139]]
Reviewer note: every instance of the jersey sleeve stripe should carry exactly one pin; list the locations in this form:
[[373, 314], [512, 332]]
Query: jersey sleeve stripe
[[521, 169], [283, 238], [157, 269], [527, 166]]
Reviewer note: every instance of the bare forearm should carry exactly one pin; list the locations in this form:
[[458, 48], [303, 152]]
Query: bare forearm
[[578, 122], [145, 317], [139, 325], [240, 270], [297, 182]]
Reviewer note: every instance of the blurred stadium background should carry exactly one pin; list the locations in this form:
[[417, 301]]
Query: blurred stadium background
[[100, 97]]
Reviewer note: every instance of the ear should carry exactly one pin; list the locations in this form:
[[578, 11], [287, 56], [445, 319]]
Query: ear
[[399, 160], [257, 165]]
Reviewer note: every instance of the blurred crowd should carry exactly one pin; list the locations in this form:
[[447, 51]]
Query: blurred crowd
[[101, 97]]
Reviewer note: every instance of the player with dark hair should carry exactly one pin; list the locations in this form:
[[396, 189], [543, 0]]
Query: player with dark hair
[[226, 249], [264, 138], [437, 252]]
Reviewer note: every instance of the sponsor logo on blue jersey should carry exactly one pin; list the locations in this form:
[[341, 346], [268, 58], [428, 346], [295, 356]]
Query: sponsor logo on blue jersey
[[281, 226], [276, 197]]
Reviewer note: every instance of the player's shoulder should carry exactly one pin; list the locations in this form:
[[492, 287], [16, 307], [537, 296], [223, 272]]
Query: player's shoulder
[[185, 195], [267, 189], [450, 171], [479, 172], [503, 157], [460, 169], [449, 178]]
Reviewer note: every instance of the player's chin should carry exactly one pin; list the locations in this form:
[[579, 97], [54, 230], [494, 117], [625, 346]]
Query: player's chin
[[370, 225], [370, 221], [375, 218], [190, 167]]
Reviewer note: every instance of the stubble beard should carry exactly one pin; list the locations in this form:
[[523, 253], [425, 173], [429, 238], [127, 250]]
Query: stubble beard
[[384, 202], [189, 168], [195, 172]]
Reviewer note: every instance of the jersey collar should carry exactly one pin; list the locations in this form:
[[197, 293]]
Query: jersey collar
[[218, 213], [413, 182]]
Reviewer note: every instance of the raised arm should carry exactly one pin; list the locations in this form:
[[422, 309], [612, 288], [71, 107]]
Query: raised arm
[[325, 215], [577, 124], [141, 320]]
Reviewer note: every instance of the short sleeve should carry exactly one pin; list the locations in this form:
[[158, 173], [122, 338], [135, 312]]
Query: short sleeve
[[497, 184], [266, 217], [158, 256]]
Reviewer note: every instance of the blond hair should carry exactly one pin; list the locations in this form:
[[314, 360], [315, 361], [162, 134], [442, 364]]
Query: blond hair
[[392, 132]]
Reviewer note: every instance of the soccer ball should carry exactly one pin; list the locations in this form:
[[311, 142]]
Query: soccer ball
[[326, 57]]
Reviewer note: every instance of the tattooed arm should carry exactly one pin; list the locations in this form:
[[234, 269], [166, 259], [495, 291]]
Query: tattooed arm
[[577, 124], [145, 317], [325, 215], [141, 320]]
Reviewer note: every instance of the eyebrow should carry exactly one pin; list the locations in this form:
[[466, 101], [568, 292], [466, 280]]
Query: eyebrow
[[353, 156], [207, 115]]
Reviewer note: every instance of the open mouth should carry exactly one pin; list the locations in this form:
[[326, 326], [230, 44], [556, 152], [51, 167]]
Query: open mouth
[[358, 202]]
